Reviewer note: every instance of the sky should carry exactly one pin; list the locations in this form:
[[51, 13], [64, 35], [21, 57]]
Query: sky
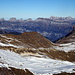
[[36, 8]]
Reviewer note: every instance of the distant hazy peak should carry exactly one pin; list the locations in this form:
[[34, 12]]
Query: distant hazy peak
[[12, 19]]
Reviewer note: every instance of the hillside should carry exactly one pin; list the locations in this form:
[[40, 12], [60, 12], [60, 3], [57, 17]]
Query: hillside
[[68, 38], [29, 39], [26, 42], [34, 55]]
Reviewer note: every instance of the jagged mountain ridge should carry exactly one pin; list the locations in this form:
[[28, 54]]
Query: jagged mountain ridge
[[48, 27]]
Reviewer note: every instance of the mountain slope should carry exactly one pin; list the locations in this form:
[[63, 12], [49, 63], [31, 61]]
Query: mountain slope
[[48, 27], [68, 38], [24, 42], [33, 39], [40, 62]]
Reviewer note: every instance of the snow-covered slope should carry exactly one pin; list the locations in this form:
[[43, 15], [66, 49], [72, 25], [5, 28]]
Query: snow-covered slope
[[66, 47], [37, 65]]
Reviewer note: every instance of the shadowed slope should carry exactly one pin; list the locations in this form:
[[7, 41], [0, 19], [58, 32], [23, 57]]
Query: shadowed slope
[[68, 38]]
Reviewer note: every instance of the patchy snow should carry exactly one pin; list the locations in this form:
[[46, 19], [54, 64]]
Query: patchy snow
[[9, 40], [39, 66], [66, 47], [5, 37], [2, 44]]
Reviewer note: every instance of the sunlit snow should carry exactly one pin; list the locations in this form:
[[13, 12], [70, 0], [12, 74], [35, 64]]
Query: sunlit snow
[[66, 47], [37, 65]]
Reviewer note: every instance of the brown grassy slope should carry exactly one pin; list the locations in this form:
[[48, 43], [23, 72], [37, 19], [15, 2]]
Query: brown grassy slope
[[14, 71], [68, 38], [61, 55], [33, 39]]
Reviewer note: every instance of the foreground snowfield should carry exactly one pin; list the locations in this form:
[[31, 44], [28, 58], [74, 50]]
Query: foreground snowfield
[[37, 65]]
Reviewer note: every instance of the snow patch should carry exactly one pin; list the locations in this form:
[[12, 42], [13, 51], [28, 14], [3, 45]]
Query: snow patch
[[2, 44], [66, 47]]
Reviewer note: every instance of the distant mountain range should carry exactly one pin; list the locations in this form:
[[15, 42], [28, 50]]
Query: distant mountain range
[[52, 28]]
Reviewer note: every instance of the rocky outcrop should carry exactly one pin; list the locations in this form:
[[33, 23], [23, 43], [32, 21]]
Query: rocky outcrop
[[14, 71]]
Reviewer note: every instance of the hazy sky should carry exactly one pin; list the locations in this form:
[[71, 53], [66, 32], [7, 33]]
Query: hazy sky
[[36, 8]]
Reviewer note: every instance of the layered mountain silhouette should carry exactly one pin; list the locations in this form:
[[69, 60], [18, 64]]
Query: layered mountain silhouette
[[52, 28]]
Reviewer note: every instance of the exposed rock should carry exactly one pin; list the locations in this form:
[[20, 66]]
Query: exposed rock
[[14, 71]]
